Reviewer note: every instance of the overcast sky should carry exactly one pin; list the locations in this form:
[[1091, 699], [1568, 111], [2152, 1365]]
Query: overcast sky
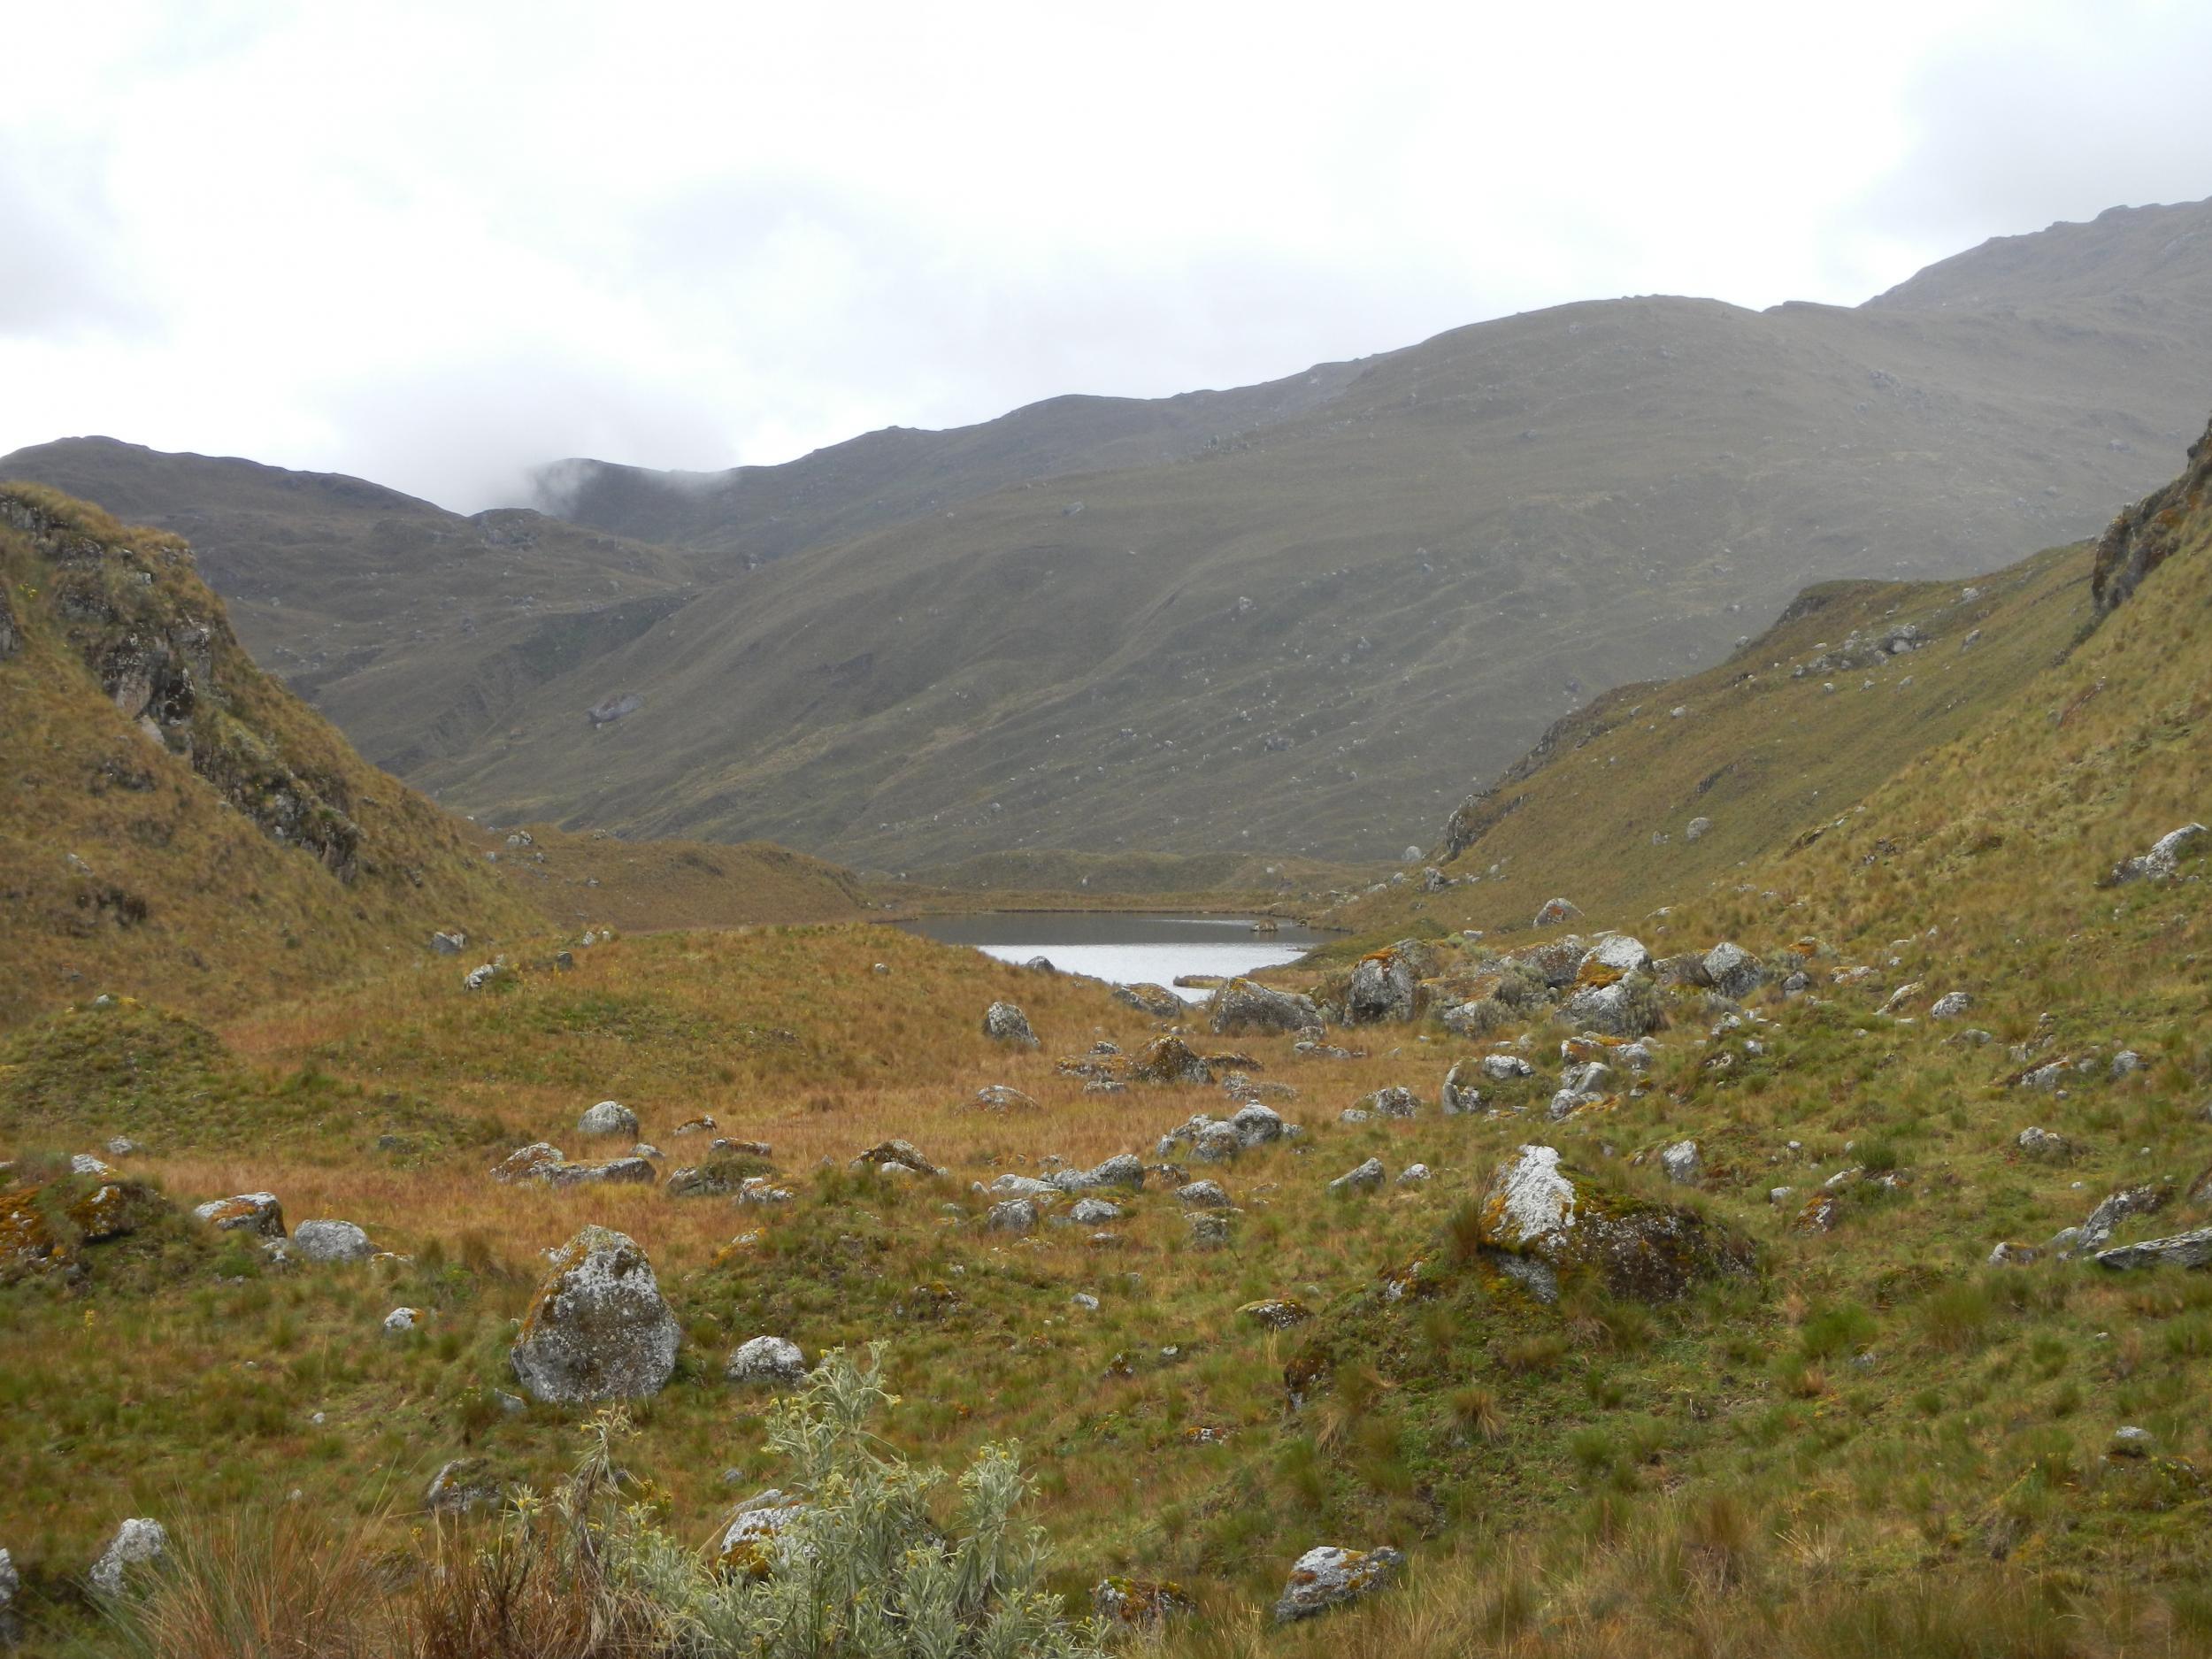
[[438, 245]]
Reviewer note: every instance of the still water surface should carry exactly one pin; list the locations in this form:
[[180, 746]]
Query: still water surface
[[1126, 949]]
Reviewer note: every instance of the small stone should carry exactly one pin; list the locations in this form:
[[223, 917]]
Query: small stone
[[766, 1359]]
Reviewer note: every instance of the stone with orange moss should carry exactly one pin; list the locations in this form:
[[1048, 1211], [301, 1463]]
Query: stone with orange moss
[[257, 1213]]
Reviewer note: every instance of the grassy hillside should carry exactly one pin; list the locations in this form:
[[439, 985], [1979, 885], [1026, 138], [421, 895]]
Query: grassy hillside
[[598, 880], [175, 822], [1788, 1404]]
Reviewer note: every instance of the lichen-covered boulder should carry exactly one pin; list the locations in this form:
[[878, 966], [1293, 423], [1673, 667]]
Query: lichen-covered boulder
[[1556, 913], [766, 1359], [597, 1329], [1123, 1169], [257, 1213], [1682, 1162], [461, 1483], [400, 1321], [2181, 1249], [1504, 1067], [1168, 1060], [528, 1163], [608, 1118], [1208, 1230], [1614, 957], [1155, 1000], [1331, 1576], [2164, 861], [1138, 1604], [1202, 1195], [997, 1097], [331, 1241], [1391, 1103], [1277, 1313], [1951, 1005], [1539, 1209], [1003, 1022], [137, 1543], [1243, 1005], [1629, 1007], [1385, 985], [614, 1171], [1733, 971], [1012, 1214]]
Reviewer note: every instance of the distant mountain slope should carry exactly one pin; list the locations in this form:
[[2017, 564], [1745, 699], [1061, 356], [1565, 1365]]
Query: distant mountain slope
[[1387, 578], [757, 513], [417, 630], [1888, 755], [175, 823], [1291, 642]]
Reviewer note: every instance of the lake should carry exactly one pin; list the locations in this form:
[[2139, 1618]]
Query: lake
[[1125, 949]]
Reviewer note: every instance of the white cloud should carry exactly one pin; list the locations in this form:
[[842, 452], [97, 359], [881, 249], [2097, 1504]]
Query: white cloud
[[438, 242]]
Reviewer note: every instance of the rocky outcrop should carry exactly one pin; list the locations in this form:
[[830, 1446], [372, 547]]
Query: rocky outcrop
[[2162, 863], [2183, 1249], [2144, 536], [598, 1328]]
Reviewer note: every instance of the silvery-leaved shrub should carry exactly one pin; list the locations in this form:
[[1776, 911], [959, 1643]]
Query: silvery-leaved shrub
[[858, 1564]]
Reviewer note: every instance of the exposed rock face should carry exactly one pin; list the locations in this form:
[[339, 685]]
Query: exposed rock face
[[1538, 1209], [257, 1213], [1003, 1022], [137, 1542], [1242, 1005], [331, 1241], [767, 1359], [598, 1329], [1331, 1576], [2162, 863], [609, 1117], [2145, 535]]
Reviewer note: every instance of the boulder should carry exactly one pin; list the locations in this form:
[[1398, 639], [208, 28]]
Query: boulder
[[1089, 1212], [331, 1241], [1950, 1005], [2181, 1249], [1415, 1174], [1504, 1067], [1208, 1231], [1012, 1186], [1138, 1604], [609, 1117], [400, 1321], [1155, 1000], [1330, 1576], [1365, 1178], [1123, 1169], [597, 1329], [766, 1359], [137, 1543], [1003, 1022], [2164, 861], [899, 1154], [614, 1170], [997, 1097], [1391, 1103], [1277, 1313], [1168, 1060], [1013, 1215], [2146, 1200], [461, 1485], [2011, 1254], [1733, 971], [749, 1545], [1459, 1093], [1540, 1210], [450, 943], [257, 1213], [1682, 1162], [1259, 1126], [1615, 957], [1243, 1005], [1556, 913], [528, 1163], [2041, 1143], [1627, 1008], [1587, 1077], [1385, 985], [1202, 1196]]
